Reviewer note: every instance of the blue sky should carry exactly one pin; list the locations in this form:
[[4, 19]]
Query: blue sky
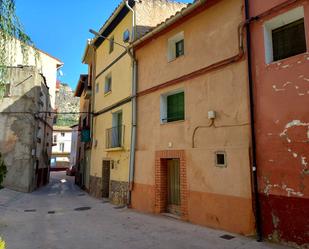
[[60, 28]]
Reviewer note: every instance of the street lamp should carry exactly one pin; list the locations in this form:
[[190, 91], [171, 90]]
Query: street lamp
[[99, 35]]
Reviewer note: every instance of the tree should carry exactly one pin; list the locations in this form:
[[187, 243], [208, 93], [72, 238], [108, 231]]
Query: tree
[[10, 30]]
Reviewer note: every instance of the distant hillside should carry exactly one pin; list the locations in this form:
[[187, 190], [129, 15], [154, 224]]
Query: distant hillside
[[66, 102]]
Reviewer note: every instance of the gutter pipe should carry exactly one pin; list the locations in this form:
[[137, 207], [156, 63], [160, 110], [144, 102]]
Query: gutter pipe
[[253, 135], [134, 108]]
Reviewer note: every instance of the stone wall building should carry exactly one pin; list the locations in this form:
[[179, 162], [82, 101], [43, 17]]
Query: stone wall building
[[26, 134]]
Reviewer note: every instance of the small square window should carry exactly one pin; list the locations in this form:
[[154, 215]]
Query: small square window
[[176, 46], [62, 134], [108, 84], [289, 40], [285, 36], [220, 159], [111, 44], [179, 46]]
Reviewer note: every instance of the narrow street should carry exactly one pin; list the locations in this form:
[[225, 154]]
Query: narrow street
[[48, 219]]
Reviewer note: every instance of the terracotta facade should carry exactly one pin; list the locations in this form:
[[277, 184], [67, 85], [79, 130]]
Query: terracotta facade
[[214, 196], [282, 123]]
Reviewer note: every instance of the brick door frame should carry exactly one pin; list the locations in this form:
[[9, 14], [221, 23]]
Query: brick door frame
[[161, 181]]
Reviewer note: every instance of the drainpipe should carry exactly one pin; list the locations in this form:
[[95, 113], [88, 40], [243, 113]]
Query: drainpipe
[[134, 110], [254, 164]]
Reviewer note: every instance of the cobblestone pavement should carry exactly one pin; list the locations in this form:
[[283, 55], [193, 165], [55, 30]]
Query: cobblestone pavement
[[48, 219]]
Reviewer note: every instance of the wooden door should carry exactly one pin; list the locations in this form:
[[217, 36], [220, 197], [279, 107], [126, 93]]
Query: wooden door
[[173, 185], [105, 179]]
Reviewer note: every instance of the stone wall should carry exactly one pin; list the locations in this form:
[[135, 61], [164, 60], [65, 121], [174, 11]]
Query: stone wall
[[118, 192], [23, 141]]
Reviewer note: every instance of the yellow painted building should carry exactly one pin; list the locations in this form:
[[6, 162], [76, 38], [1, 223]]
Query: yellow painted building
[[112, 68]]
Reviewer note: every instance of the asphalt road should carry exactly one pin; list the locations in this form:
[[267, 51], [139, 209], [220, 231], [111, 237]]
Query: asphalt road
[[60, 215]]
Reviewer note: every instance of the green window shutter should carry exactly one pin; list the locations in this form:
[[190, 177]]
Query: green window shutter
[[176, 107]]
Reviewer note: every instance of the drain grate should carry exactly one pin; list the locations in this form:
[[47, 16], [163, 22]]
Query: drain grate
[[120, 207], [82, 208], [51, 212], [227, 237], [30, 210]]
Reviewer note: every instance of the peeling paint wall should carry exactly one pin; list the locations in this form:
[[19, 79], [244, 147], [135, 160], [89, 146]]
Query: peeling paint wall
[[25, 139], [282, 128]]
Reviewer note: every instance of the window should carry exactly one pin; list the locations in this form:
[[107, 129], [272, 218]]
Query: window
[[289, 40], [176, 46], [62, 134], [220, 159], [126, 36], [114, 135], [284, 35], [61, 147], [108, 84], [55, 139], [173, 107], [179, 46], [111, 44]]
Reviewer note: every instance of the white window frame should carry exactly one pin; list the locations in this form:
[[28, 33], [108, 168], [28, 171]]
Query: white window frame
[[277, 22], [171, 46], [61, 147], [225, 159], [109, 76], [163, 104]]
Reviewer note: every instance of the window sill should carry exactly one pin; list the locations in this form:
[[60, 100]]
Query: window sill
[[108, 93], [114, 149], [285, 60], [174, 59], [173, 122]]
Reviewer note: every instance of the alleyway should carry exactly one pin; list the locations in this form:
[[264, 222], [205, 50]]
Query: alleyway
[[47, 219]]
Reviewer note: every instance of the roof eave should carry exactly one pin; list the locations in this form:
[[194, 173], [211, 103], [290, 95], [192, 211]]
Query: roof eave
[[170, 21]]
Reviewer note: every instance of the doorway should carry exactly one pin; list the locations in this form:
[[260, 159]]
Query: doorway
[[173, 186], [106, 178]]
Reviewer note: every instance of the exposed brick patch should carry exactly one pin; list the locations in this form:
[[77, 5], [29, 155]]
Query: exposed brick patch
[[161, 181]]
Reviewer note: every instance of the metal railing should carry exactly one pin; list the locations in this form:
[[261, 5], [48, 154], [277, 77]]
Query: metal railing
[[115, 137]]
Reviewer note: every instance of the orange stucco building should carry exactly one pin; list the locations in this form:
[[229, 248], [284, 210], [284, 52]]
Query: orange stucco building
[[193, 135], [280, 73]]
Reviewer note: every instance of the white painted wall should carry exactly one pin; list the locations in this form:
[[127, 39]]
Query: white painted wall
[[74, 146], [45, 63], [66, 140]]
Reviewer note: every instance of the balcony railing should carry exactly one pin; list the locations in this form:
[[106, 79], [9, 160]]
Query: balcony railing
[[115, 137]]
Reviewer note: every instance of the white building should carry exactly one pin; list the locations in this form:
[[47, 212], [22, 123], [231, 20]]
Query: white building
[[19, 54], [62, 137], [74, 145]]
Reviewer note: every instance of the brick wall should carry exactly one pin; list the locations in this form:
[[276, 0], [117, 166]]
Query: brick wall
[[161, 181]]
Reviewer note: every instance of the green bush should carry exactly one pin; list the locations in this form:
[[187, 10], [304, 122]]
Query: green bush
[[3, 170]]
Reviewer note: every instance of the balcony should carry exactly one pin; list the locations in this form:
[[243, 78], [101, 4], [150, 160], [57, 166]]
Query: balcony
[[115, 137]]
